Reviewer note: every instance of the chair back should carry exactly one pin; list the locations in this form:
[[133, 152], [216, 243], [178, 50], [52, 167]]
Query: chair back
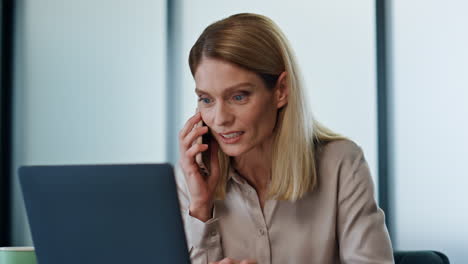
[[420, 257]]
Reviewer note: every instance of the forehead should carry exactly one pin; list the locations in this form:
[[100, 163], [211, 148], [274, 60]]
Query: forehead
[[214, 75]]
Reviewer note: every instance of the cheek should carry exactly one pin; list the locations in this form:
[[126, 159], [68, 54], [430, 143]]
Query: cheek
[[265, 118], [262, 117], [207, 116]]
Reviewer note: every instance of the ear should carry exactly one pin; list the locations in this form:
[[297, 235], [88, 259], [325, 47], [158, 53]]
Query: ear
[[281, 90]]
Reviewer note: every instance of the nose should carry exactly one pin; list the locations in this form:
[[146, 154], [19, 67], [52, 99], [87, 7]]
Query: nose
[[223, 115]]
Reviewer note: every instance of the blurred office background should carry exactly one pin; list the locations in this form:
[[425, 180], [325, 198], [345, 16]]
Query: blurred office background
[[107, 81]]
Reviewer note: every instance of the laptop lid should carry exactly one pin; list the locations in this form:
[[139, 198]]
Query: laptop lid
[[104, 214]]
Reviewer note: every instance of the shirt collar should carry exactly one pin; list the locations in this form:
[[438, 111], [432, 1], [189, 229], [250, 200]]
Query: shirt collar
[[232, 174]]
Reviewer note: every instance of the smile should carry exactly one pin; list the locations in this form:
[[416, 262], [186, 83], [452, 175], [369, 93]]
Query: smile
[[231, 137]]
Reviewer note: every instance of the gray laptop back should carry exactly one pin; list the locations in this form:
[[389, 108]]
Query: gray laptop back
[[97, 214]]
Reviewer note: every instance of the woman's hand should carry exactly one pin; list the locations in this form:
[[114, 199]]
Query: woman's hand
[[233, 261], [201, 188]]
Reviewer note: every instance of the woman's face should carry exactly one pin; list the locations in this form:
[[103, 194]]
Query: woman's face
[[236, 105]]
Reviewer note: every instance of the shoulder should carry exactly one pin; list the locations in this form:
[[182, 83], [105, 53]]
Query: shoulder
[[338, 152], [341, 161]]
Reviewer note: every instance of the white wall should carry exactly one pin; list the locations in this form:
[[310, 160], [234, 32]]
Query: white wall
[[89, 86], [430, 94], [334, 42]]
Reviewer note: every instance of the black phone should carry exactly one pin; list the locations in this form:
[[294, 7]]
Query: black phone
[[203, 158]]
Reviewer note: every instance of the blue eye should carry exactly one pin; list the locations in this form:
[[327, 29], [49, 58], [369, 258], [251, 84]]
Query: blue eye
[[239, 97], [204, 100]]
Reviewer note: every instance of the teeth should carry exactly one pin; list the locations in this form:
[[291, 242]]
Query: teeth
[[232, 135]]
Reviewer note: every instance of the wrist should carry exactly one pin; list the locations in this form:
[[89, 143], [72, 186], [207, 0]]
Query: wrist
[[201, 212]]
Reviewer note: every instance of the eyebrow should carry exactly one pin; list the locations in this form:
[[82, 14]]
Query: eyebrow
[[229, 89]]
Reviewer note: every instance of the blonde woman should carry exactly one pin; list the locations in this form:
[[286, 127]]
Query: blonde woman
[[282, 188]]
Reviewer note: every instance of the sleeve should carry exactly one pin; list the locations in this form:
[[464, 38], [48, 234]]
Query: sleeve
[[362, 234], [203, 238]]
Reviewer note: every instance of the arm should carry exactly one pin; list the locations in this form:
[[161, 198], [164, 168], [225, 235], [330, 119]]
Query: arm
[[203, 238], [196, 192], [362, 234]]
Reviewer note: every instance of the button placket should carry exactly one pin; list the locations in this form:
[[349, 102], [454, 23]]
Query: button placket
[[261, 233]]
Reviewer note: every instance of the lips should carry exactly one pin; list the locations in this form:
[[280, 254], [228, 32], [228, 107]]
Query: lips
[[231, 137], [232, 134]]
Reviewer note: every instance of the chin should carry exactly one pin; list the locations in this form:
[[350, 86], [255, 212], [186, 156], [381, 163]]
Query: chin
[[232, 150]]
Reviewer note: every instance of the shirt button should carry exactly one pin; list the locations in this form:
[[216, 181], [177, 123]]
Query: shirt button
[[261, 231]]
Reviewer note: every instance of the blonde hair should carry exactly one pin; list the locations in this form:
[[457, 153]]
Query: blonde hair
[[256, 43]]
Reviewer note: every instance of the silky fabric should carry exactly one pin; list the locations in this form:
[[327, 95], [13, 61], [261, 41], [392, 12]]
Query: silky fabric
[[337, 222]]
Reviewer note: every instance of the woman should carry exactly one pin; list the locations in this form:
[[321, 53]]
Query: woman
[[282, 188]]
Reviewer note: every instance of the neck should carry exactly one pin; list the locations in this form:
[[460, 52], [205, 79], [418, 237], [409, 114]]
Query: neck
[[255, 166]]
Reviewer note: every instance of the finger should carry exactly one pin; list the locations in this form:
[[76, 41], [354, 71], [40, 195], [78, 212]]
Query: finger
[[193, 136], [189, 155], [194, 150], [187, 160], [227, 261], [192, 168], [189, 125]]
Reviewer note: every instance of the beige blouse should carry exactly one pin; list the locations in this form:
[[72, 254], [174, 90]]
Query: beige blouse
[[338, 222]]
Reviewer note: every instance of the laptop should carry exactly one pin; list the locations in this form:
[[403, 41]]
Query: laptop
[[98, 214]]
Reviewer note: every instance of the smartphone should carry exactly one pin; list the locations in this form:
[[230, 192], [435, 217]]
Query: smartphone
[[203, 158]]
